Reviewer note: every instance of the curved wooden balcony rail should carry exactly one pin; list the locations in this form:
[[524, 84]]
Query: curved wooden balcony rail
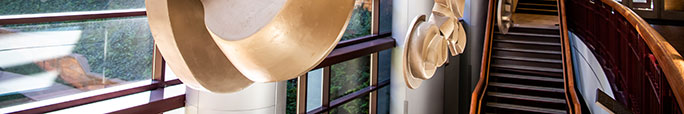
[[574, 106], [646, 73], [478, 93]]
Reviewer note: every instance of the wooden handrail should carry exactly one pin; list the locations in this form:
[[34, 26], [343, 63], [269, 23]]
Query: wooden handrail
[[571, 97], [478, 93], [670, 61]]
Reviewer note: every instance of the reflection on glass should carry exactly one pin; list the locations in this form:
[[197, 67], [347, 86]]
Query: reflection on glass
[[291, 97], [360, 21], [674, 5], [385, 17], [16, 7], [43, 61], [384, 100], [356, 106], [313, 89], [644, 5], [348, 77]]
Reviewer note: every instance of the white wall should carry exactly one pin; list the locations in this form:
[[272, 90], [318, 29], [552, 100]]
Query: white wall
[[259, 98], [428, 99], [589, 74]]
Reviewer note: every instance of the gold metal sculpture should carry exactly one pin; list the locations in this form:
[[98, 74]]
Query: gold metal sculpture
[[298, 38], [429, 41], [179, 32], [225, 45]]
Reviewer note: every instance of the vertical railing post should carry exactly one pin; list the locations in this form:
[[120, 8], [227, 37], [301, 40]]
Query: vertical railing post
[[373, 104], [301, 94], [158, 66], [325, 98]]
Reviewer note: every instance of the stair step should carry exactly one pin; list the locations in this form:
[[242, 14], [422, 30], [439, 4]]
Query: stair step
[[539, 10], [529, 42], [529, 59], [526, 87], [536, 4], [537, 78], [557, 52], [530, 34], [525, 108], [526, 97], [529, 68]]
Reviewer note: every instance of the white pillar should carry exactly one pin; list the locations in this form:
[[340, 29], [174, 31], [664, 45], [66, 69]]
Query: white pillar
[[259, 98], [428, 98]]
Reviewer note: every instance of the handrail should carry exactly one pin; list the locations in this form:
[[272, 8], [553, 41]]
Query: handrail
[[69, 16], [670, 61], [478, 93], [571, 97]]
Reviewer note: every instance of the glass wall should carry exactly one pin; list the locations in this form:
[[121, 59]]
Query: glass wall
[[49, 60], [360, 21], [16, 7]]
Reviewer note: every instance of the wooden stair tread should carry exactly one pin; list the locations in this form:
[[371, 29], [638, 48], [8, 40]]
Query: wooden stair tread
[[526, 97], [529, 42], [525, 108], [529, 68], [541, 10], [558, 52], [537, 78], [526, 87], [530, 59], [530, 34]]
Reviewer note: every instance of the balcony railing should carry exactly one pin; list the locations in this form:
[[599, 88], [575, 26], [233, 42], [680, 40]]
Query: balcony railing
[[645, 72]]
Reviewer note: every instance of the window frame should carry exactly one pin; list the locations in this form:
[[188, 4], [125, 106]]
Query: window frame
[[345, 50]]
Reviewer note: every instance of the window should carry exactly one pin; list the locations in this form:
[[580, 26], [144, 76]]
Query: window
[[360, 21], [18, 7], [49, 60], [348, 77]]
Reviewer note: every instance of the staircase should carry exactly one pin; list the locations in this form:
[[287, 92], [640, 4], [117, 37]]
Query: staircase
[[543, 7], [526, 73]]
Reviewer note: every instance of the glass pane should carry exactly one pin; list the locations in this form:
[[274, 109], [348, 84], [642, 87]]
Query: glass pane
[[16, 7], [43, 61], [314, 89], [168, 73], [361, 19], [385, 17], [674, 5], [291, 100], [384, 100], [356, 106], [349, 76], [384, 65]]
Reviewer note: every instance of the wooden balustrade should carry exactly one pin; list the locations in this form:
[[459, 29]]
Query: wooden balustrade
[[644, 71]]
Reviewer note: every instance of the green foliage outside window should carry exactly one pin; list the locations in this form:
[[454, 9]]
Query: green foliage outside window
[[346, 75]]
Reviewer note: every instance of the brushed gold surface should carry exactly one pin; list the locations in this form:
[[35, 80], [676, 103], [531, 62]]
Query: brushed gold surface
[[298, 38], [178, 30]]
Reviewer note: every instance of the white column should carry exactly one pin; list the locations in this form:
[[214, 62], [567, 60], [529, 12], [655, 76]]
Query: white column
[[428, 99], [259, 98]]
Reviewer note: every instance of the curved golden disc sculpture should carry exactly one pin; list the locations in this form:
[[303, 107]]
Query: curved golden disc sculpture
[[297, 39], [411, 82], [178, 30], [427, 44]]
